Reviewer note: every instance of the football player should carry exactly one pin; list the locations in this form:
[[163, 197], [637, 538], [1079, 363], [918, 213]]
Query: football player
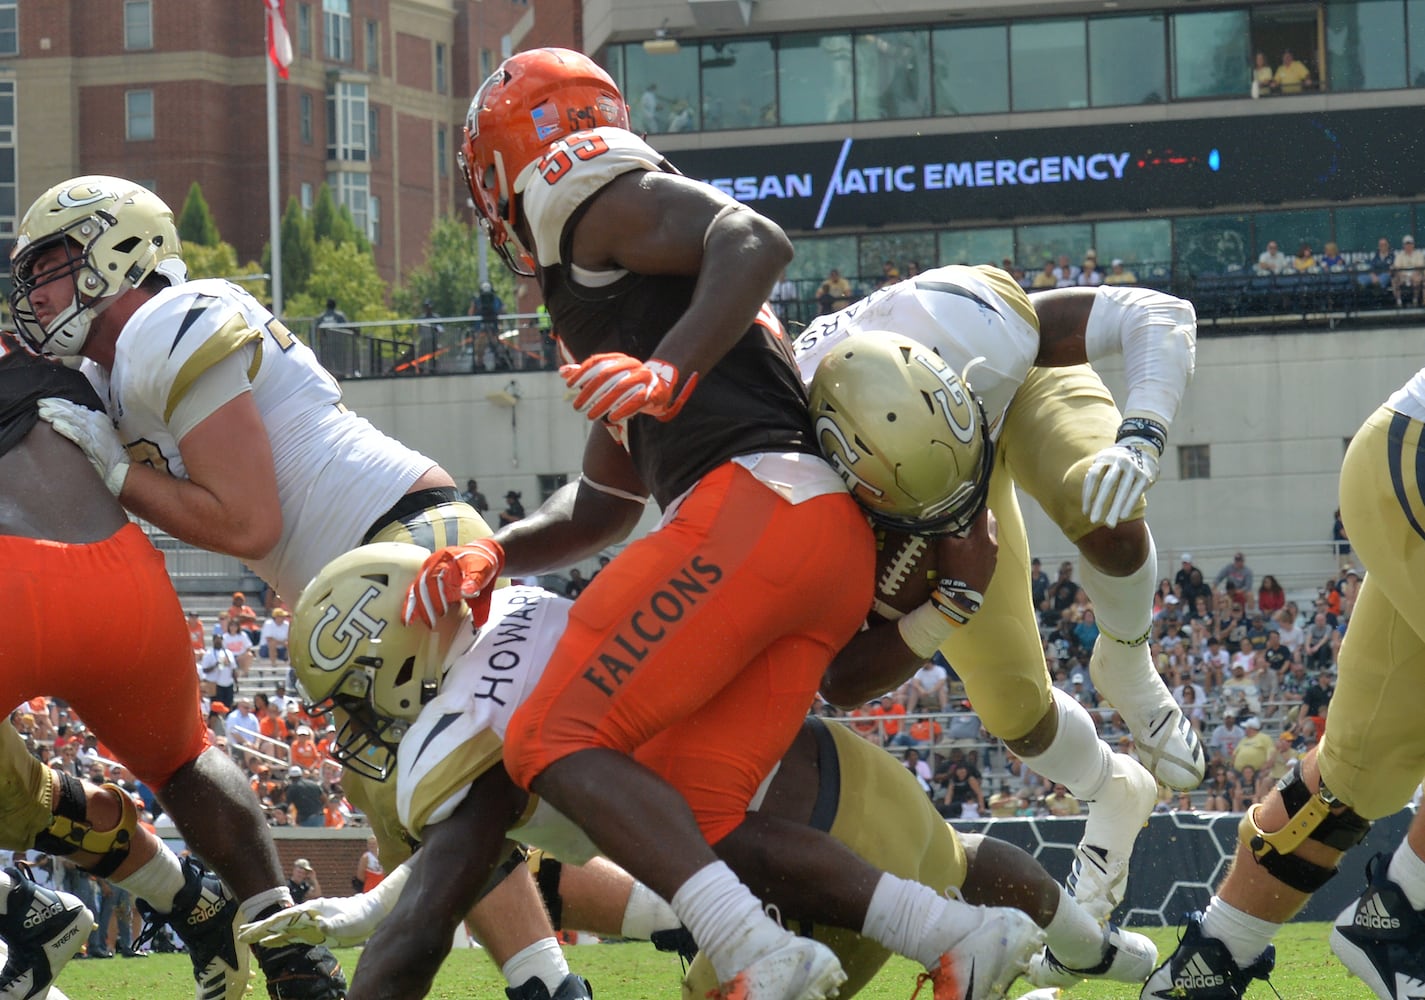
[[191, 367], [688, 640], [61, 535], [1368, 764], [1014, 403], [433, 712]]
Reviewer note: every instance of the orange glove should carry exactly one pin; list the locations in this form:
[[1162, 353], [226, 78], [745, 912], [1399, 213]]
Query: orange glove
[[615, 386], [458, 573]]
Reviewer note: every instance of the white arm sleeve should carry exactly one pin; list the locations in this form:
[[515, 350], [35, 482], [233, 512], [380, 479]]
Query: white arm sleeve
[[1157, 335]]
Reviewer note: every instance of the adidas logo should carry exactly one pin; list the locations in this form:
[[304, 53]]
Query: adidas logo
[[208, 906], [1197, 974], [41, 911], [1375, 916]]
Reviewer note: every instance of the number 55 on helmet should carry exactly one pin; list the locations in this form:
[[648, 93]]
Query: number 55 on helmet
[[904, 431]]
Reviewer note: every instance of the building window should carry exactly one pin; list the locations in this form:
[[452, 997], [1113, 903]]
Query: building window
[[354, 191], [971, 70], [9, 28], [1365, 46], [1212, 50], [813, 78], [743, 76], [304, 30], [347, 121], [373, 222], [304, 196], [893, 75], [138, 25], [373, 134], [442, 84], [666, 85], [1194, 461], [1116, 80], [138, 115], [551, 483], [304, 116], [442, 153], [373, 46], [8, 192], [336, 30], [1048, 65]]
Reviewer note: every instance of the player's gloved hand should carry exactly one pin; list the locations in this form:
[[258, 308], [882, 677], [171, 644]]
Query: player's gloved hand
[[450, 575], [1120, 473], [615, 387], [94, 433]]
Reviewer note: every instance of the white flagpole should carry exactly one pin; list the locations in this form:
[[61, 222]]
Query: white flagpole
[[274, 216]]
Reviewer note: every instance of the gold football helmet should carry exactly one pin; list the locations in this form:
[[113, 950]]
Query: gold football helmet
[[904, 431], [353, 656], [114, 233]]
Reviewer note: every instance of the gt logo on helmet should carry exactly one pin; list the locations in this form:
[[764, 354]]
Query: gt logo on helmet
[[348, 631]]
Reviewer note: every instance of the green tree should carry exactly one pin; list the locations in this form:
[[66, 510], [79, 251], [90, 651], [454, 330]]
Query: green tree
[[448, 276], [219, 261], [331, 221], [195, 222], [299, 246], [348, 274]]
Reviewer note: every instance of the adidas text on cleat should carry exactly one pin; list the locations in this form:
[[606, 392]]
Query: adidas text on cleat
[[1201, 968], [797, 969], [44, 929], [1379, 937], [573, 987], [984, 962], [1128, 957], [301, 971], [206, 918]]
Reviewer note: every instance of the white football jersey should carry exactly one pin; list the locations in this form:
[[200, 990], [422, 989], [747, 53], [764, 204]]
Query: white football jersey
[[961, 313], [1409, 399], [200, 344], [460, 733]]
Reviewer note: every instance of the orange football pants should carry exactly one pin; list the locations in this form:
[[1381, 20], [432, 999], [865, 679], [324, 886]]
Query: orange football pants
[[100, 627], [700, 647]]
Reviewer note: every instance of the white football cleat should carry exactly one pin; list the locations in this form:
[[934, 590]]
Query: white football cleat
[[44, 929], [797, 969], [1165, 741], [983, 964], [1128, 957], [1099, 878]]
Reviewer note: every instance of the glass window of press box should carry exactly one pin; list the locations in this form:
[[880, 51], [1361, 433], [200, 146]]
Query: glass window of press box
[[1110, 60]]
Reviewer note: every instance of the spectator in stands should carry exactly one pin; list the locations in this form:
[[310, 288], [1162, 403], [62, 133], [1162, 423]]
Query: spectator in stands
[[1226, 735], [1191, 697], [576, 583], [1331, 259], [1339, 542], [303, 882], [369, 870], [1038, 582], [928, 689], [1062, 593], [1254, 750], [1407, 273], [243, 726], [306, 797], [1270, 596], [1382, 264], [1119, 275], [474, 497], [1065, 273], [1242, 691], [198, 631], [1045, 278], [925, 731], [890, 274], [862, 721], [1196, 587], [1317, 698], [1261, 75], [1237, 573], [1304, 260], [1218, 789], [891, 716], [334, 814], [304, 750], [1089, 272], [514, 510], [273, 725], [1086, 629], [217, 672], [919, 767], [832, 294], [964, 796], [273, 638], [1316, 650], [1060, 803], [1272, 260], [238, 642], [784, 295], [1183, 577], [1291, 76], [217, 712], [912, 268], [240, 608]]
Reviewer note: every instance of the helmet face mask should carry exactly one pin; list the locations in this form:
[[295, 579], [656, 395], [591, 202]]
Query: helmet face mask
[[904, 431], [113, 233], [532, 101], [353, 657]]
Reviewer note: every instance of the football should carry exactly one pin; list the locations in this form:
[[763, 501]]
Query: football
[[906, 571]]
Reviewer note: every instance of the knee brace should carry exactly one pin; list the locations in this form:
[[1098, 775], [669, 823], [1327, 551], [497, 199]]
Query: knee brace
[[70, 831], [1310, 816], [546, 872]]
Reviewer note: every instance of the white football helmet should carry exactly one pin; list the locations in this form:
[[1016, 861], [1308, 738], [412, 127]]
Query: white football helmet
[[352, 655], [115, 234], [904, 431]]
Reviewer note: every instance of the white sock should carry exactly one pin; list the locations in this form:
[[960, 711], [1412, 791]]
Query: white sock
[[915, 921], [1407, 870], [646, 913], [544, 959], [157, 881], [1246, 936], [725, 919], [6, 884], [1077, 758], [1121, 667], [1123, 605], [1075, 937], [281, 897]]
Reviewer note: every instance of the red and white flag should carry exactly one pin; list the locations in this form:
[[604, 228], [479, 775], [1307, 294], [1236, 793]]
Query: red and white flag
[[279, 43]]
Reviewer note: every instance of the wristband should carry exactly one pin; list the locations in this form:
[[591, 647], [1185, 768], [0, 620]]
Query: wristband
[[1143, 429], [925, 629], [956, 600]]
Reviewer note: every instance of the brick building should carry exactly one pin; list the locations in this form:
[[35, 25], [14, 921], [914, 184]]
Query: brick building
[[169, 92]]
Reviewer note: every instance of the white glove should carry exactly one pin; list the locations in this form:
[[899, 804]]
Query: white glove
[[94, 433], [339, 921], [1117, 477]]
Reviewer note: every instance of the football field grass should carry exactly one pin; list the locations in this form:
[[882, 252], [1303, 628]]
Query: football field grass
[[634, 971]]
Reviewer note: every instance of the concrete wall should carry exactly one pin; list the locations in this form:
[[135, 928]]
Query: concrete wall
[[1276, 411]]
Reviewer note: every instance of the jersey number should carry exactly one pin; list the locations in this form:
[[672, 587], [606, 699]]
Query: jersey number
[[556, 163]]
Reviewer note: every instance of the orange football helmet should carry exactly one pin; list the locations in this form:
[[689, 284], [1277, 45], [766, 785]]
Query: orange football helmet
[[532, 100]]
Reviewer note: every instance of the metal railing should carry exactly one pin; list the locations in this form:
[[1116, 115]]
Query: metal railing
[[433, 345]]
